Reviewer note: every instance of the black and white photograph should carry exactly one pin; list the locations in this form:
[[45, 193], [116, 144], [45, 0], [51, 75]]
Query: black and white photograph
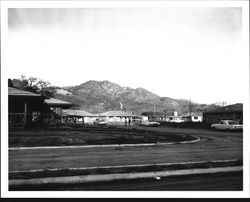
[[125, 98]]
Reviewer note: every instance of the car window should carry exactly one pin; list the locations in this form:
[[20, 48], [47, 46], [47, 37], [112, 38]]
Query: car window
[[232, 122]]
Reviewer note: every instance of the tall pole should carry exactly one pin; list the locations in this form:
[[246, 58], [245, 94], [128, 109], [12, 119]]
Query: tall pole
[[190, 109], [154, 112]]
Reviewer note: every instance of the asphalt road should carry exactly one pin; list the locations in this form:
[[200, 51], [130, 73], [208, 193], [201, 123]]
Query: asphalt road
[[208, 182], [214, 146]]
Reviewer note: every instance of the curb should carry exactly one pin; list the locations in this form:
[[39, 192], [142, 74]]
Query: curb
[[108, 145], [122, 176]]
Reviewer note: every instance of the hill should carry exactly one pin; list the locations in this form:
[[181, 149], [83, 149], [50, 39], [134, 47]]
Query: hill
[[99, 96]]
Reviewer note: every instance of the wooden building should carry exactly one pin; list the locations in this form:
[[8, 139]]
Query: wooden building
[[24, 108], [230, 112], [56, 106]]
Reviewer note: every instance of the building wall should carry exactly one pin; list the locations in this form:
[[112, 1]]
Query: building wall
[[216, 117], [119, 120], [197, 118], [89, 120], [156, 118]]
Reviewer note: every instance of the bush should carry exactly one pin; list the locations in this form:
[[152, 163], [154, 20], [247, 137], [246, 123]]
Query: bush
[[196, 125]]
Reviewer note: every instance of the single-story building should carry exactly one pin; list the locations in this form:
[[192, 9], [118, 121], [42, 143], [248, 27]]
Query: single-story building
[[172, 116], [193, 117], [230, 112], [56, 106], [77, 116], [25, 107], [154, 116], [117, 117]]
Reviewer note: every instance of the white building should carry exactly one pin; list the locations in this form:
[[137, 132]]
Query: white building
[[117, 117], [78, 116], [193, 117]]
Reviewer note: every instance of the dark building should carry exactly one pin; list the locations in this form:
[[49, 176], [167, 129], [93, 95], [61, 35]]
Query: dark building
[[24, 107], [230, 112], [57, 105], [28, 109]]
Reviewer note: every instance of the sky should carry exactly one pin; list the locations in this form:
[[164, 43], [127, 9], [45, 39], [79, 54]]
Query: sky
[[182, 53]]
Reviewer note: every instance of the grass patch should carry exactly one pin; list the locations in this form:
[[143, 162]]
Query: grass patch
[[91, 136]]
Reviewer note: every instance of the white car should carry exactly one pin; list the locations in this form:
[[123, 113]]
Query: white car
[[100, 122], [227, 125], [177, 121], [150, 123]]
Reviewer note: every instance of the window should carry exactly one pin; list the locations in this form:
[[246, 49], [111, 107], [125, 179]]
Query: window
[[232, 122], [195, 117]]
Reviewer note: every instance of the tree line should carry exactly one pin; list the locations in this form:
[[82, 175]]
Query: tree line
[[33, 84]]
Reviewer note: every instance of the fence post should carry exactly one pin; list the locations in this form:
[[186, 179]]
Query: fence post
[[25, 114]]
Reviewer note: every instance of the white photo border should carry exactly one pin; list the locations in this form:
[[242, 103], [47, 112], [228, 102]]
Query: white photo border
[[109, 194]]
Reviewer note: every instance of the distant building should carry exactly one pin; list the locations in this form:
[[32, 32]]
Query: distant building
[[173, 117], [78, 116], [193, 117], [154, 116], [117, 117], [230, 112]]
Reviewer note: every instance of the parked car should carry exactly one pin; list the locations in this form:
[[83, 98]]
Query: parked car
[[100, 122], [150, 123], [227, 125], [177, 121]]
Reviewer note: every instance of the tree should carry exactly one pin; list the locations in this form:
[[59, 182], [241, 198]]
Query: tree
[[10, 84], [34, 85]]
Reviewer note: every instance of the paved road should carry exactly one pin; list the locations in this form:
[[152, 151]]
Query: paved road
[[208, 182], [214, 146]]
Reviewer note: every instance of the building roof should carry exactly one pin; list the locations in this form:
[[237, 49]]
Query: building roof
[[150, 113], [193, 114], [117, 113], [76, 112], [18, 92], [227, 109], [52, 102]]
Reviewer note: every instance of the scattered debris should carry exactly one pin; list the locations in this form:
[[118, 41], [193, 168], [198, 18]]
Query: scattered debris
[[158, 178]]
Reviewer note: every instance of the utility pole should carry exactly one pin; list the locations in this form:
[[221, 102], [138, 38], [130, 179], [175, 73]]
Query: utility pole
[[190, 109], [154, 112], [99, 108]]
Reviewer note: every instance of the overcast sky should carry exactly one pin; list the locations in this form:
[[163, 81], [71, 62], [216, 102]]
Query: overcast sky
[[175, 52]]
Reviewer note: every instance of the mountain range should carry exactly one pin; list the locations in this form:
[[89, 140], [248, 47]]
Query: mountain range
[[100, 96]]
